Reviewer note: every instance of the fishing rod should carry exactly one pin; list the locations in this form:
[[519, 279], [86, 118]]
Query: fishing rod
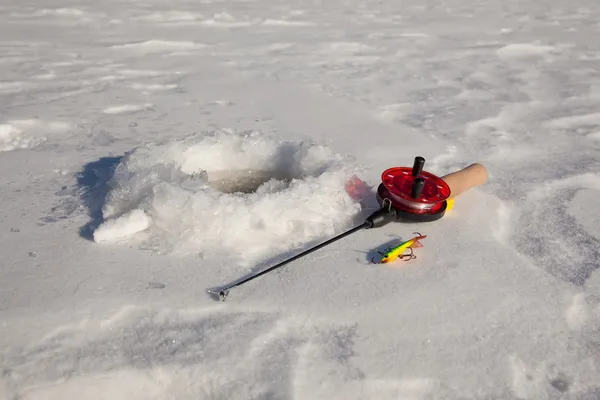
[[404, 193], [381, 217]]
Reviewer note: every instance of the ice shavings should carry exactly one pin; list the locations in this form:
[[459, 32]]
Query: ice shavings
[[244, 194], [126, 225]]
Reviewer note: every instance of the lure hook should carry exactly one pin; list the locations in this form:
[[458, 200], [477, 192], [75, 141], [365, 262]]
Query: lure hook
[[410, 256]]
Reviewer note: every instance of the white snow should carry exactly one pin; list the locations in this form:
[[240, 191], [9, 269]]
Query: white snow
[[126, 108], [69, 12], [151, 150], [523, 50], [170, 17], [158, 46], [282, 22], [577, 315], [12, 138], [153, 87], [28, 133]]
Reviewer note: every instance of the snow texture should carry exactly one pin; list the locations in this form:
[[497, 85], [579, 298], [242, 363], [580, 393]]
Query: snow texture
[[151, 150]]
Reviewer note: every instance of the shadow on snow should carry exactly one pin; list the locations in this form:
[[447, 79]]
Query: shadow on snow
[[93, 183]]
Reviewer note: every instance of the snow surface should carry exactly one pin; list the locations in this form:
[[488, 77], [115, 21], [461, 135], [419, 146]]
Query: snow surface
[[151, 150]]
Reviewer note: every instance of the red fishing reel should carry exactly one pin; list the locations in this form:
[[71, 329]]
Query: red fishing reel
[[414, 194]]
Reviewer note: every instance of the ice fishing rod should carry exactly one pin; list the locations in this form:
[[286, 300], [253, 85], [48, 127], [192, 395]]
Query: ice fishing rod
[[404, 193], [381, 217]]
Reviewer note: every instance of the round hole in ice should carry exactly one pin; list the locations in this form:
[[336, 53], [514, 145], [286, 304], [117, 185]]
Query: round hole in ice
[[244, 181], [243, 195]]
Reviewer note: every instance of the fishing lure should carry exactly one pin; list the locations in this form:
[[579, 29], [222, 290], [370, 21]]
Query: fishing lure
[[397, 251]]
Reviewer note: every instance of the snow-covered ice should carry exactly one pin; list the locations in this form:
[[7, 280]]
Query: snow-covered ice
[[151, 150]]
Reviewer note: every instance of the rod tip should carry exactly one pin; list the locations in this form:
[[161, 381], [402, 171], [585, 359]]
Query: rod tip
[[217, 293]]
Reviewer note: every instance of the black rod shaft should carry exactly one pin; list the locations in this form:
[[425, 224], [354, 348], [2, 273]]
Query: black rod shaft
[[224, 290]]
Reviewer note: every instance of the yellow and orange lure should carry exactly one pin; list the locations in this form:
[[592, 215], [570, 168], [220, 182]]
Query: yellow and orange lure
[[395, 252]]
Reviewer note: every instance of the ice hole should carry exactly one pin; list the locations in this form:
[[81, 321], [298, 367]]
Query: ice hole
[[244, 195], [245, 181]]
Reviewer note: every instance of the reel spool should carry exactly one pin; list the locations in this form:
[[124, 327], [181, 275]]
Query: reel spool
[[414, 194]]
